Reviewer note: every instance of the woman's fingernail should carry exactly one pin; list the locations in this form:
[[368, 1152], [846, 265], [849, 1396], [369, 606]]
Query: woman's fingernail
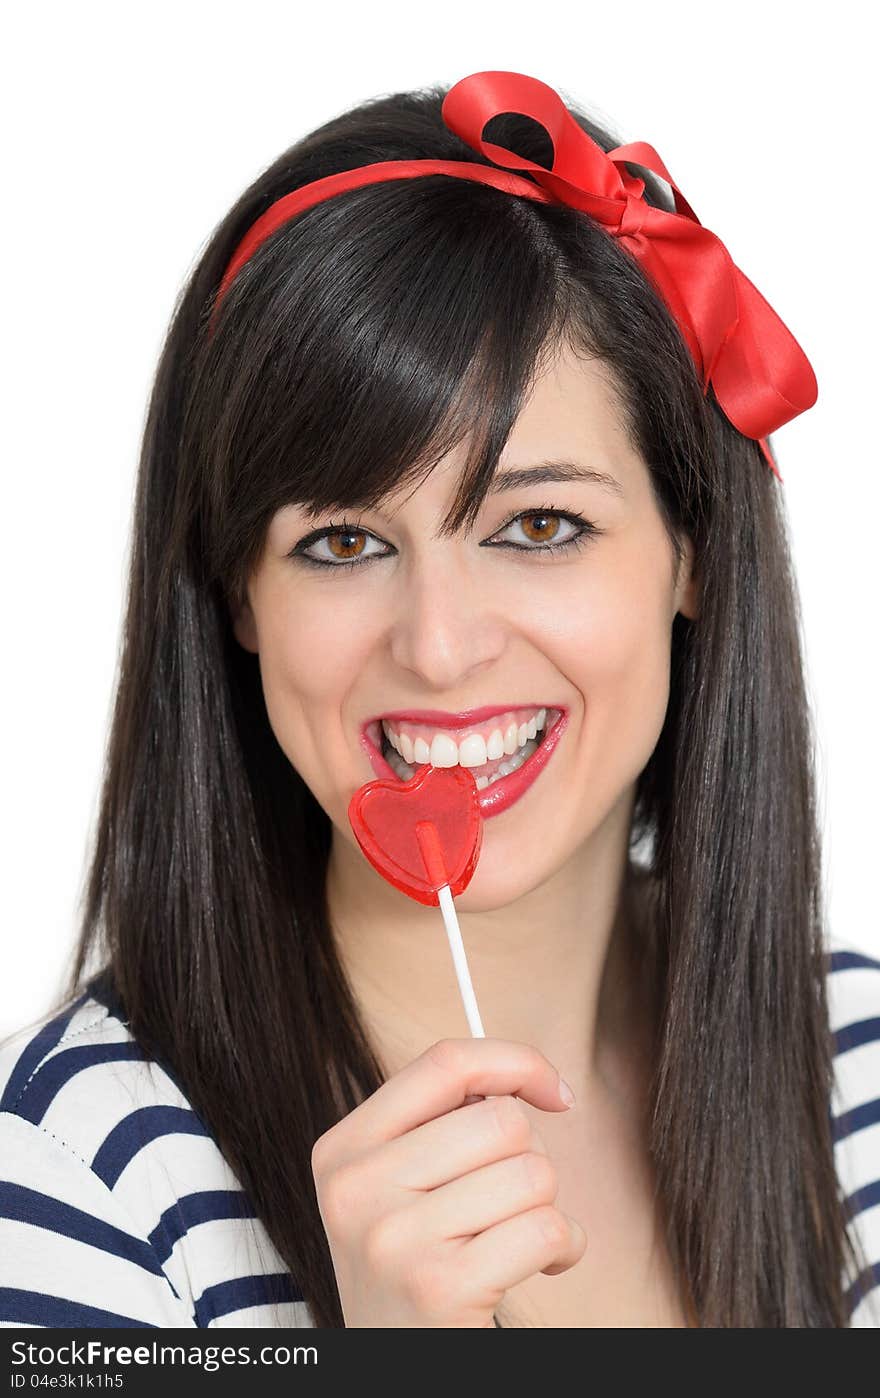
[[566, 1093]]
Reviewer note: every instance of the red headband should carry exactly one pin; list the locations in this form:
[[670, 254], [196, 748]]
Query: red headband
[[761, 376]]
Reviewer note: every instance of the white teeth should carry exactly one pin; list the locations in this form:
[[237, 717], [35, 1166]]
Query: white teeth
[[507, 767], [495, 746], [444, 752], [395, 761], [472, 751]]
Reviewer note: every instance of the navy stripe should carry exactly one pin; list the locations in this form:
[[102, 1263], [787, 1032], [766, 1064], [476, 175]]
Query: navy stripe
[[851, 1036], [864, 1198], [863, 1283], [851, 960], [48, 1081], [34, 1052], [204, 1206], [137, 1130], [856, 1119], [43, 1211], [229, 1296], [36, 1308]]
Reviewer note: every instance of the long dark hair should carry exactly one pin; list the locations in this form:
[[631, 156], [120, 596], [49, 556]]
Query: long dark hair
[[360, 344]]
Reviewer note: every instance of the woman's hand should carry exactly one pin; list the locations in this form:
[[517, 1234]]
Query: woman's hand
[[433, 1203]]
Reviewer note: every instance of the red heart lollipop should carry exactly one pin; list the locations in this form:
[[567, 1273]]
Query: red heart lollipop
[[390, 820]]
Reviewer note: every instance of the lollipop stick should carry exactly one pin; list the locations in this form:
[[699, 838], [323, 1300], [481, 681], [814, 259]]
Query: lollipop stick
[[459, 960], [432, 855]]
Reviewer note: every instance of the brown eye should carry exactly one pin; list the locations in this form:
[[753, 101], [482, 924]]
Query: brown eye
[[544, 530], [337, 546], [348, 548], [541, 528]]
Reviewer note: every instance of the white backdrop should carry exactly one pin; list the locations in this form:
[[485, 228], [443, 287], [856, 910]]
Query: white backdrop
[[130, 131]]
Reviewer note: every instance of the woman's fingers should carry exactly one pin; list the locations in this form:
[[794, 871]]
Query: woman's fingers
[[437, 1082], [456, 1143], [542, 1240], [484, 1197]]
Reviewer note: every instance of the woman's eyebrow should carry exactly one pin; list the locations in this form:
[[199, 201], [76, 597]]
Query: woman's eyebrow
[[543, 473], [550, 471]]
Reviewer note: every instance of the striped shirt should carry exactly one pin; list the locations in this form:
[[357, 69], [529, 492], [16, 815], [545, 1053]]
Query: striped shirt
[[117, 1207]]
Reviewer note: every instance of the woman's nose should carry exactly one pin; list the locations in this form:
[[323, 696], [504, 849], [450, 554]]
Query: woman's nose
[[446, 624]]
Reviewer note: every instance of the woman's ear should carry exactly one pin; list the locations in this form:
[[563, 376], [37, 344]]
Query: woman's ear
[[687, 588], [244, 626]]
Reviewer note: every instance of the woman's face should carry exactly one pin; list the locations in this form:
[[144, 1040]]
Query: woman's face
[[419, 622]]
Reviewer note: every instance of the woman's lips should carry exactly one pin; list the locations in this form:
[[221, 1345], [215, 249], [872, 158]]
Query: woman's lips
[[499, 795]]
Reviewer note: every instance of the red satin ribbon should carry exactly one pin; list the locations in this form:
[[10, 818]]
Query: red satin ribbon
[[761, 376]]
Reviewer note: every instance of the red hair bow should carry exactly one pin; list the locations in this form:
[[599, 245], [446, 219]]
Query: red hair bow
[[761, 376]]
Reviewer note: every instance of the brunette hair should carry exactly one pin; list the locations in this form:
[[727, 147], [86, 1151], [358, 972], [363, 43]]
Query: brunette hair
[[360, 344]]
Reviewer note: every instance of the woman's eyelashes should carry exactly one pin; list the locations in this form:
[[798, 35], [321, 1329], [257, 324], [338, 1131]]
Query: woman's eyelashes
[[351, 553]]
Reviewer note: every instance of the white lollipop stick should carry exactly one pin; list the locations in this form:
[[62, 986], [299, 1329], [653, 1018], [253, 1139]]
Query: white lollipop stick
[[432, 857], [459, 961]]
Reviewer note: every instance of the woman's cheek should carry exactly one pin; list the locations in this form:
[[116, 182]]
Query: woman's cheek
[[624, 679]]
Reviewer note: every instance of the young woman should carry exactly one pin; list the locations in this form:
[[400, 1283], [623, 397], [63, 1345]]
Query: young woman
[[439, 466]]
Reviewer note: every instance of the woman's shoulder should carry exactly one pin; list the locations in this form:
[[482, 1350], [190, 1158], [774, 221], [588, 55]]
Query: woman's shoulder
[[853, 987], [113, 1187], [80, 1078]]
